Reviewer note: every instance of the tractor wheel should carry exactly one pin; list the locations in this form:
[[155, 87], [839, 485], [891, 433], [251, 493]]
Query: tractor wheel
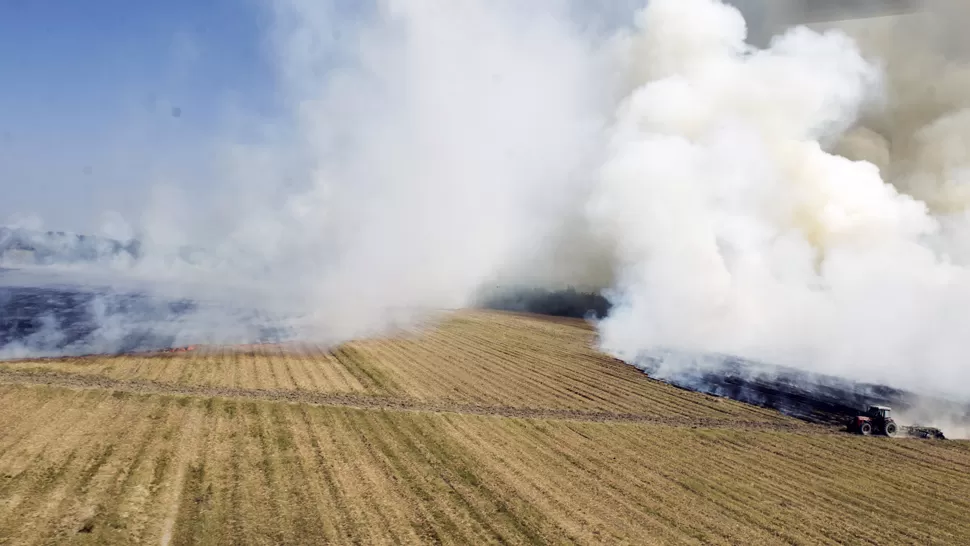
[[891, 430], [865, 428]]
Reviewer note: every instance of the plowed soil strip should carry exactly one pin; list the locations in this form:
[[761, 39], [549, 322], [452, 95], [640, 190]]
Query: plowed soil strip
[[76, 381]]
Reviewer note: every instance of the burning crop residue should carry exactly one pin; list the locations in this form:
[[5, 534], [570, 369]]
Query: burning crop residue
[[809, 396]]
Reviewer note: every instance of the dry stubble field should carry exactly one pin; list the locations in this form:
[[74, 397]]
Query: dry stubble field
[[493, 428]]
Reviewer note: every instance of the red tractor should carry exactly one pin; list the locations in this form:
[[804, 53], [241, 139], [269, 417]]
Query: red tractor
[[876, 420]]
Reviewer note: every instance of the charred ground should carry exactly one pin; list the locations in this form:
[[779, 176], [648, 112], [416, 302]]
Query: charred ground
[[816, 398], [41, 314]]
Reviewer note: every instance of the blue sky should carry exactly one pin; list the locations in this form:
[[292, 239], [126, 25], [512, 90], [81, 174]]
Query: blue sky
[[89, 89], [88, 92]]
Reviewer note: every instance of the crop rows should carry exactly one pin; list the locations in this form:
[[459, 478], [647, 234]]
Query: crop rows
[[494, 359], [94, 466], [492, 428]]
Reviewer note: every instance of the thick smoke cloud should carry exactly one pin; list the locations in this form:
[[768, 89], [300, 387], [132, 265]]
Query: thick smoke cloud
[[453, 143], [740, 231], [800, 202]]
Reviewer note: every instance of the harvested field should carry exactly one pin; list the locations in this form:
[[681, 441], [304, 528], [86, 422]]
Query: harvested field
[[476, 358], [496, 428]]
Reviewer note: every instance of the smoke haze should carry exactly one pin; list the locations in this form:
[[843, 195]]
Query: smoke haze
[[801, 203]]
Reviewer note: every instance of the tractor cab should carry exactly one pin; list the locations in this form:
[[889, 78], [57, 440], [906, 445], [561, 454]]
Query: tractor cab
[[878, 412]]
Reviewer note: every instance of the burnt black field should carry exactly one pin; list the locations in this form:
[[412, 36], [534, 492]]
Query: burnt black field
[[822, 399], [73, 321], [45, 316]]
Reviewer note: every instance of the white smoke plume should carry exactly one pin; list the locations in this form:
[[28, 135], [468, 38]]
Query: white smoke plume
[[738, 231], [451, 142], [800, 203]]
